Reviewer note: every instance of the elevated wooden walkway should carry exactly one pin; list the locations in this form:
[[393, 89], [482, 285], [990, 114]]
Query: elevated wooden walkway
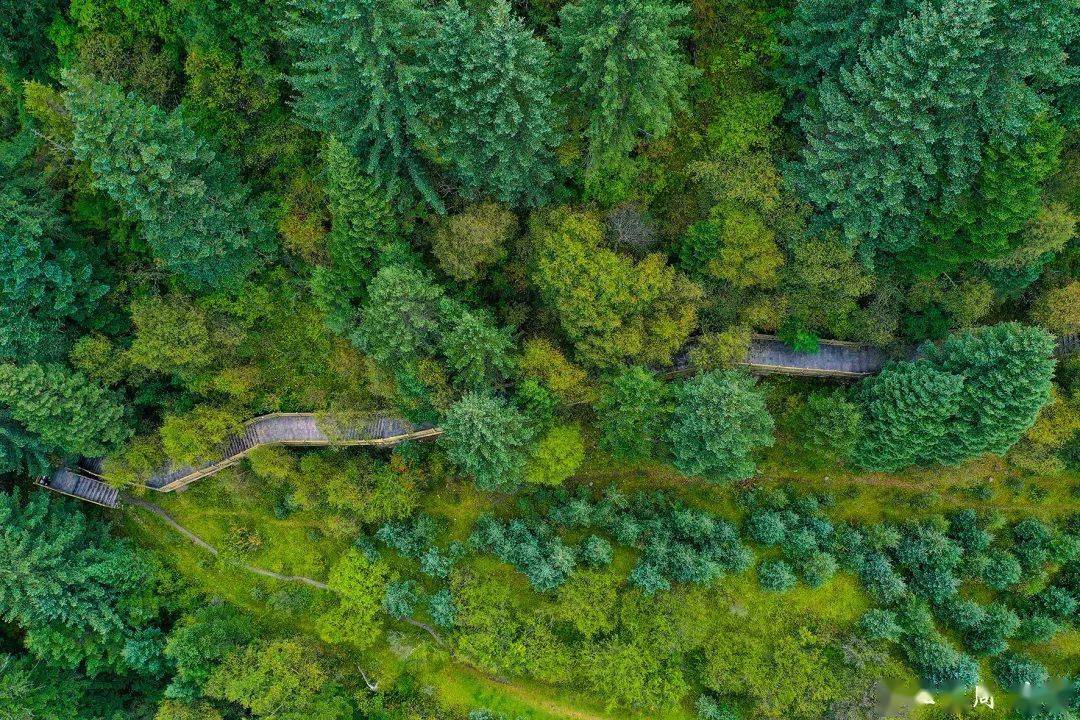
[[296, 429], [767, 355], [300, 429], [79, 484]]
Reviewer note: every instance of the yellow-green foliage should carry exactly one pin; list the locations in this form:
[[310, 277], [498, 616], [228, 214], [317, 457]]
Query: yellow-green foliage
[[556, 456], [136, 463], [171, 335], [469, 243], [568, 382], [99, 359], [609, 307], [360, 585], [720, 350], [197, 436]]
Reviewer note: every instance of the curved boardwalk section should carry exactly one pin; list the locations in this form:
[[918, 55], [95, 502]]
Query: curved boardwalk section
[[301, 429]]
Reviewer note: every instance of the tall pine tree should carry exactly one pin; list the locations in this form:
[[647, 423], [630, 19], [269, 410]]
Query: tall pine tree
[[899, 130], [976, 393], [356, 75], [987, 221], [719, 419], [621, 63], [363, 237], [198, 217], [905, 128], [907, 409], [66, 583], [1007, 371], [488, 103], [61, 410], [823, 36], [45, 281]]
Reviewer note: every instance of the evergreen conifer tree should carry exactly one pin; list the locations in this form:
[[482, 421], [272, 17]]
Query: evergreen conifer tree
[[904, 129], [488, 102], [907, 410], [65, 582], [1007, 371], [356, 76], [719, 419], [197, 216], [62, 410], [621, 62], [45, 282]]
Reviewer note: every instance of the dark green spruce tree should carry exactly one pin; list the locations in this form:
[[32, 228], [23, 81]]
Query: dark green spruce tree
[[199, 219], [487, 90], [51, 409], [623, 67], [978, 392], [986, 222], [364, 236], [46, 283], [356, 76], [904, 130], [823, 36], [66, 584], [24, 44], [1007, 371], [907, 409]]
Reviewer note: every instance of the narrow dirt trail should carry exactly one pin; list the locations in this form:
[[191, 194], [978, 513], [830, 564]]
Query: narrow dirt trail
[[156, 510]]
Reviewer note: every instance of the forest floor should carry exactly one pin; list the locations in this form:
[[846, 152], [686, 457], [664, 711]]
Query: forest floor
[[157, 510], [459, 683], [280, 580]]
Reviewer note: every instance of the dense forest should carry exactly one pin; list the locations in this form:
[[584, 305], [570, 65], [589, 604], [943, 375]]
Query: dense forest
[[655, 359]]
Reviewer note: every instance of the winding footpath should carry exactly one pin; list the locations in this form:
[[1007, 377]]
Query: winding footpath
[[171, 522], [520, 692]]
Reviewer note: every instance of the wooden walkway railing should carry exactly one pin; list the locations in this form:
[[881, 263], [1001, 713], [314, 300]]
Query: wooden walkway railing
[[295, 429], [79, 484], [767, 355], [299, 429]]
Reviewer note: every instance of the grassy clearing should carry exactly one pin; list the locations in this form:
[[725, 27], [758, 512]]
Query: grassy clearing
[[737, 607], [215, 504]]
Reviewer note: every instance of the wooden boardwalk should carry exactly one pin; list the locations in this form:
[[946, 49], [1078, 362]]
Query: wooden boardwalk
[[833, 359], [295, 429], [300, 429], [79, 484], [767, 355]]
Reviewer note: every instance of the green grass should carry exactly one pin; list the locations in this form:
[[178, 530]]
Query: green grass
[[299, 545], [212, 507]]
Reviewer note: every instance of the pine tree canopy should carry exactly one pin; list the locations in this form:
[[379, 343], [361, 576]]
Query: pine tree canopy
[[356, 76], [487, 101], [197, 216], [906, 127]]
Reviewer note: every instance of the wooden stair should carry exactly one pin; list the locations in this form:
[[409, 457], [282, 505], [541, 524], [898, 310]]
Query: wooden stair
[[80, 485]]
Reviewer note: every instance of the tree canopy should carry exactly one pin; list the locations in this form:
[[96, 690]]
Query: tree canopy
[[198, 218]]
